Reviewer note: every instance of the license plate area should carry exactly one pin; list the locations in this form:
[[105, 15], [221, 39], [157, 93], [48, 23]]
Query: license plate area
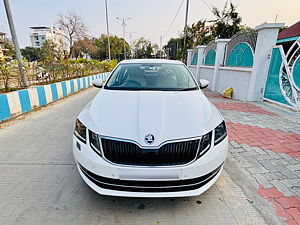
[[148, 174]]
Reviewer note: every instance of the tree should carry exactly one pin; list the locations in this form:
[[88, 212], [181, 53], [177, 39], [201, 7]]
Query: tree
[[197, 34], [49, 52], [227, 21], [8, 72], [9, 48], [156, 50], [31, 53], [116, 48], [74, 27], [174, 47], [84, 47], [282, 28], [142, 48]]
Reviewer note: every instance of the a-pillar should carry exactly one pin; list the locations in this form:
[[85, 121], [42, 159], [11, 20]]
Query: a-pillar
[[266, 40]]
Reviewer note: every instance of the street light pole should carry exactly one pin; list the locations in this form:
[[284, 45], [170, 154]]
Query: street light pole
[[107, 30], [130, 41], [160, 46], [24, 80], [123, 20], [185, 24]]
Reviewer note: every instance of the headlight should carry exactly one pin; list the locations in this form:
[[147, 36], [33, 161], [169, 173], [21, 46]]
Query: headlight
[[220, 133], [80, 131], [205, 143], [95, 142]]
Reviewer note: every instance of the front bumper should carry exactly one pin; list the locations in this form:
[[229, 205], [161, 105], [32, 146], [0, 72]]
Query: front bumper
[[142, 181]]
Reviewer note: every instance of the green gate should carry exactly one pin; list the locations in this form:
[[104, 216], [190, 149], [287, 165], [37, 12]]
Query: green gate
[[283, 80]]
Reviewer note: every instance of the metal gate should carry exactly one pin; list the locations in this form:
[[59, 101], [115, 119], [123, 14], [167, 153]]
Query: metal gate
[[283, 80]]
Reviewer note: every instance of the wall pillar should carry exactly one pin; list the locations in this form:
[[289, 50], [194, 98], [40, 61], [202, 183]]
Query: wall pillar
[[266, 40], [189, 57], [200, 49], [220, 52]]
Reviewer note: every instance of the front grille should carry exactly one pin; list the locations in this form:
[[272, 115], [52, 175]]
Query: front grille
[[150, 186], [176, 153]]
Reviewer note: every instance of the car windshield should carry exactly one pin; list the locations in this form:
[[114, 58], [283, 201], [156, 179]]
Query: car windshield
[[159, 77]]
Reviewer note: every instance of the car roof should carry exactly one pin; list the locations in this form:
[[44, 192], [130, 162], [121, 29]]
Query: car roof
[[159, 61]]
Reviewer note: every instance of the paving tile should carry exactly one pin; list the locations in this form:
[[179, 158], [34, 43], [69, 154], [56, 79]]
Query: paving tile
[[262, 180], [242, 107], [279, 162], [262, 157], [296, 191], [264, 138], [294, 167], [282, 188], [291, 182], [289, 202], [269, 193], [288, 158], [274, 176], [257, 170], [280, 211], [259, 150], [295, 213]]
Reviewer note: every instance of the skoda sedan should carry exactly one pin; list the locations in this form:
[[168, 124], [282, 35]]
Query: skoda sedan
[[150, 132]]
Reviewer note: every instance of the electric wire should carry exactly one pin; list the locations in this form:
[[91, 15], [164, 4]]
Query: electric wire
[[174, 18]]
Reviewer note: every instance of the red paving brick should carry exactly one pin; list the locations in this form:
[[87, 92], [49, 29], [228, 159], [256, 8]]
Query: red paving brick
[[265, 138], [289, 202], [269, 193], [295, 213], [236, 106], [288, 208], [214, 95], [242, 107]]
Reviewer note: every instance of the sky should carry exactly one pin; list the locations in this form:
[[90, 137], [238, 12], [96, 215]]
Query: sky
[[150, 18]]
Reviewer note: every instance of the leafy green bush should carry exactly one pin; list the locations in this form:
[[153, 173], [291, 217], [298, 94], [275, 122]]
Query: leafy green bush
[[48, 71]]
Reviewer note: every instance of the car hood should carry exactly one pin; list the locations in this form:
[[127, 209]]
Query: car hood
[[167, 115]]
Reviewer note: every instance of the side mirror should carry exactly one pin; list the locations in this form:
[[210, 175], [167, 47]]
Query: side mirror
[[203, 83], [98, 83]]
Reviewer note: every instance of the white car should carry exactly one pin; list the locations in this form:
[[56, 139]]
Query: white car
[[150, 132]]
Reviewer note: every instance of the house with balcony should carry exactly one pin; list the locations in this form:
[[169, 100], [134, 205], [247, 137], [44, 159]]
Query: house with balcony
[[40, 34], [2, 42]]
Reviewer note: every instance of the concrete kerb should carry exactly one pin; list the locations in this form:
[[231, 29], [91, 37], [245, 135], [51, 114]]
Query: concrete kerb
[[16, 103]]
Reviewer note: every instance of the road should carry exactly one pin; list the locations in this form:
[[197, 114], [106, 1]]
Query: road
[[40, 183]]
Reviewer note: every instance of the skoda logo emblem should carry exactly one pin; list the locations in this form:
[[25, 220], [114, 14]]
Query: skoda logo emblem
[[149, 139]]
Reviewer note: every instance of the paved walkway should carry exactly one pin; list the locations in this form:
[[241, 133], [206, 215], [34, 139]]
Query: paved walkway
[[264, 155]]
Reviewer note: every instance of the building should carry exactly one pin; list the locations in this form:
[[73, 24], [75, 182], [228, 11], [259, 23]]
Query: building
[[40, 34], [287, 37], [2, 41]]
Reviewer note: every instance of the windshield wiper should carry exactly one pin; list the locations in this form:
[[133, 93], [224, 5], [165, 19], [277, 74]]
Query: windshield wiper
[[188, 89]]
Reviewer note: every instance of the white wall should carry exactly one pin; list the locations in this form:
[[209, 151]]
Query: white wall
[[247, 83], [237, 78], [193, 69], [206, 72]]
